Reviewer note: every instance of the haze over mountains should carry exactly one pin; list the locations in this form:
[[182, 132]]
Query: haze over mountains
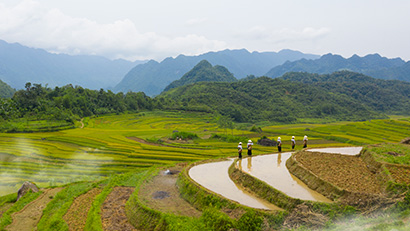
[[20, 64], [373, 65]]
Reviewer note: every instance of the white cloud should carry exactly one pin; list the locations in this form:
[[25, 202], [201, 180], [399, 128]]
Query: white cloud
[[195, 21], [286, 35], [31, 24]]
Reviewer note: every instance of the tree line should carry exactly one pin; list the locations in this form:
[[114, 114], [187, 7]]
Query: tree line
[[341, 96]]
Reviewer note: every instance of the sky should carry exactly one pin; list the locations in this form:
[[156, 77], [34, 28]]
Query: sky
[[156, 29]]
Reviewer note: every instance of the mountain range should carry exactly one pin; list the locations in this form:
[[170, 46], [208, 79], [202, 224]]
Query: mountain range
[[153, 77], [372, 65], [20, 64]]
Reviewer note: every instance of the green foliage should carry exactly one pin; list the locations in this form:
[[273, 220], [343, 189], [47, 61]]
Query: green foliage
[[256, 129], [5, 90], [184, 135], [384, 96], [8, 198], [216, 220], [401, 153], [6, 219], [249, 221], [403, 206], [68, 103], [203, 72], [229, 138], [274, 100]]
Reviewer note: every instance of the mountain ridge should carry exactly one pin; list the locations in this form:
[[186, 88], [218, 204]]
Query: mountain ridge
[[20, 64], [153, 76], [373, 65]]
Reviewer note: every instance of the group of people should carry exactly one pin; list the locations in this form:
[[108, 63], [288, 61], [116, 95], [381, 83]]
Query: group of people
[[278, 142], [292, 142], [249, 147]]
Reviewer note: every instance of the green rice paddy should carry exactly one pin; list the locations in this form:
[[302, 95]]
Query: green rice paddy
[[105, 147]]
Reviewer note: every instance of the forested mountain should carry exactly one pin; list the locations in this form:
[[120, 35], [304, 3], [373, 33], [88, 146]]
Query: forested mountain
[[153, 77], [68, 103], [5, 90], [385, 96], [372, 65], [203, 72], [266, 99], [20, 64], [399, 73]]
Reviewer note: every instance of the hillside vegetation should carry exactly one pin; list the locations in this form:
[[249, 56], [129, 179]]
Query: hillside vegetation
[[203, 72], [384, 96], [296, 97], [5, 90], [275, 100]]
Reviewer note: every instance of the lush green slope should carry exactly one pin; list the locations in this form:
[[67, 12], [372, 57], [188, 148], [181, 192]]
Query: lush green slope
[[266, 99], [203, 72], [385, 96], [5, 90], [64, 105], [373, 65]]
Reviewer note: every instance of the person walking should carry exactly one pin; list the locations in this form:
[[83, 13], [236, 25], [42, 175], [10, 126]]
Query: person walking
[[305, 140], [250, 147], [240, 150], [279, 144], [293, 142]]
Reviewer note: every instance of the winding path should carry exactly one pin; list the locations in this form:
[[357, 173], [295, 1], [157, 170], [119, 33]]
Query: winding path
[[214, 176], [269, 168]]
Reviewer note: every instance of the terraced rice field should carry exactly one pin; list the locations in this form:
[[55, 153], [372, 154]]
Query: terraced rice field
[[102, 148]]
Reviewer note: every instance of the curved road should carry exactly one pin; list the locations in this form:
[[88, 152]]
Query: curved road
[[269, 168]]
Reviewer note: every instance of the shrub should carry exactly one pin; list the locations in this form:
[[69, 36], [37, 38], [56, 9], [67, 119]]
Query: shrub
[[249, 221], [229, 138], [184, 135], [216, 220]]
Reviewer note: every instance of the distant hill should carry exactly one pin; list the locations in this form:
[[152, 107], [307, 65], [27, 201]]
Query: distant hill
[[153, 77], [372, 65], [203, 72], [5, 90], [20, 64], [384, 96], [276, 100]]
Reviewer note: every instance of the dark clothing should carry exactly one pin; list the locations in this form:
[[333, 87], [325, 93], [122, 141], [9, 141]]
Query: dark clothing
[[293, 146], [305, 146], [249, 152], [279, 148]]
